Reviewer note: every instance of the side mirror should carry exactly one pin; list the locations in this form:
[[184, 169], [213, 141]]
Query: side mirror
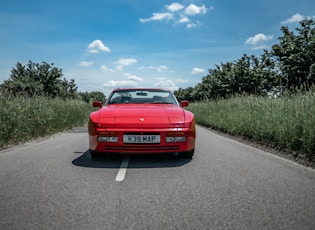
[[97, 104], [184, 103]]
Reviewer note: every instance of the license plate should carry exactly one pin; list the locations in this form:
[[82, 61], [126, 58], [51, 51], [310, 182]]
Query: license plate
[[142, 139]]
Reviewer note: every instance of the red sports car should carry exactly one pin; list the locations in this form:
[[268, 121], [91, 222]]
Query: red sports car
[[142, 120]]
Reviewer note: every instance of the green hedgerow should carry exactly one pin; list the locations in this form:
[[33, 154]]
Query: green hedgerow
[[286, 122], [25, 118]]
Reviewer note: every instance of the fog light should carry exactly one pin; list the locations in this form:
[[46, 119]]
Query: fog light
[[107, 139], [175, 139]]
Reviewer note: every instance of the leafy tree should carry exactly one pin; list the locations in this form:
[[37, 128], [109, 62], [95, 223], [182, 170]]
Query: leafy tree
[[38, 79], [249, 75], [93, 96], [289, 65], [268, 74], [67, 89], [296, 55]]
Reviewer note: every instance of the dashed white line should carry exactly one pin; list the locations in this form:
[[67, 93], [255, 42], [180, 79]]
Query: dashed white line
[[123, 168]]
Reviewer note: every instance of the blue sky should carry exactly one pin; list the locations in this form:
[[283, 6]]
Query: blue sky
[[105, 44]]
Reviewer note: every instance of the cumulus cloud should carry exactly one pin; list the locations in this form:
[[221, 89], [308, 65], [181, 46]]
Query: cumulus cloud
[[85, 63], [197, 70], [127, 61], [166, 83], [133, 77], [104, 68], [295, 18], [160, 68], [123, 62], [120, 64], [120, 84], [192, 25], [157, 17], [97, 46], [192, 9], [129, 81], [183, 19], [175, 7], [259, 41], [179, 14]]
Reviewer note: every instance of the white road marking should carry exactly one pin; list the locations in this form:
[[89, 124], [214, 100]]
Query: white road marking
[[123, 168]]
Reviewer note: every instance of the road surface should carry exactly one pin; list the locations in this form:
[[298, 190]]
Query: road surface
[[54, 184]]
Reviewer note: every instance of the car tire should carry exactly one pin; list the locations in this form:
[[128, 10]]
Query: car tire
[[187, 154]]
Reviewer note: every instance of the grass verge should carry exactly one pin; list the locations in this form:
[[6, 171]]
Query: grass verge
[[23, 119], [286, 123]]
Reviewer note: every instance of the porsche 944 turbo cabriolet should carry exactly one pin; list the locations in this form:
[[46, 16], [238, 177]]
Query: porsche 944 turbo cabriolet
[[141, 120]]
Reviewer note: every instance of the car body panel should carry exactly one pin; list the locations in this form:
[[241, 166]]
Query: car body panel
[[142, 121]]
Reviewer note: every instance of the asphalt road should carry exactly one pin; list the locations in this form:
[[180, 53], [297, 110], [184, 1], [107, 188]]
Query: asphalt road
[[54, 184]]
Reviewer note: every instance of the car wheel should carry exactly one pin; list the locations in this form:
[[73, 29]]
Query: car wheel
[[187, 154], [95, 154]]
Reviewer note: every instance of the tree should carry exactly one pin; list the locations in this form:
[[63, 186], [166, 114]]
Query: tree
[[38, 79], [93, 96], [289, 65], [296, 55], [249, 75]]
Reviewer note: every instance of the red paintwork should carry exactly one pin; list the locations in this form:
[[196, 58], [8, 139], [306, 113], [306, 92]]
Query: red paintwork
[[158, 118]]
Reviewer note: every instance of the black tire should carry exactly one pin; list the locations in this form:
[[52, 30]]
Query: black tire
[[187, 154]]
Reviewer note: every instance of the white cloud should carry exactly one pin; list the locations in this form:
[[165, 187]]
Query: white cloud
[[130, 81], [127, 61], [174, 7], [133, 77], [160, 68], [118, 68], [258, 39], [183, 19], [178, 14], [197, 70], [85, 63], [166, 84], [157, 17], [192, 25], [97, 46], [192, 9], [121, 63], [106, 69], [121, 84], [295, 18]]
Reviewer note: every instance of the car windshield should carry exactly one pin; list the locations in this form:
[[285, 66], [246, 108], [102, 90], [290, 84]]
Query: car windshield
[[139, 96]]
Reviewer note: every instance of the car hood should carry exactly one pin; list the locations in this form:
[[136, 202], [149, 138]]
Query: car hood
[[144, 116]]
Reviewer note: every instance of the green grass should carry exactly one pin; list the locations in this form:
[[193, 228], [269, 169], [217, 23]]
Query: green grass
[[22, 119], [287, 122]]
